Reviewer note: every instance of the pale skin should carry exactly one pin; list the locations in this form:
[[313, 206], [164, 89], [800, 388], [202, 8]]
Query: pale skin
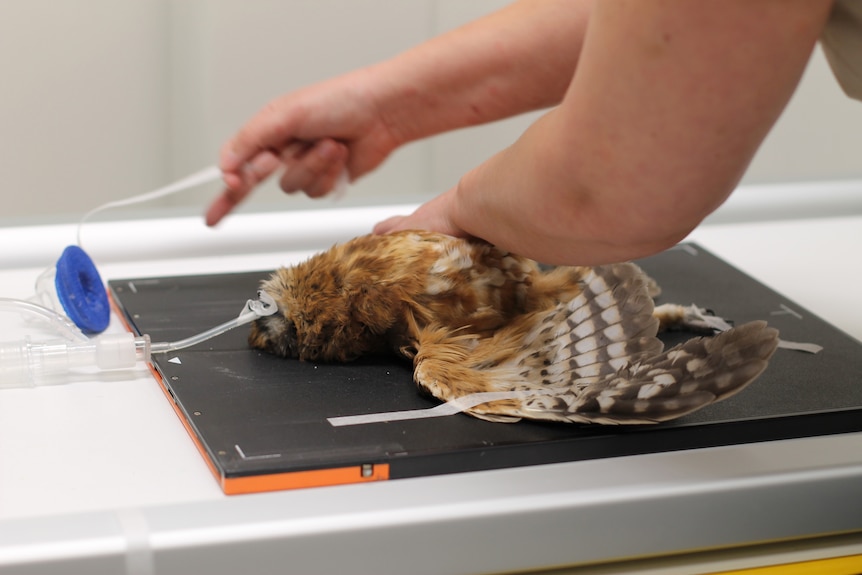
[[656, 109]]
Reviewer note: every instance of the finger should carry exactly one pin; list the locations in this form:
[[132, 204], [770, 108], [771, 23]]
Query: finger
[[291, 156], [220, 207], [329, 178], [314, 170], [253, 172], [388, 225], [239, 185], [269, 129], [433, 216], [261, 167]]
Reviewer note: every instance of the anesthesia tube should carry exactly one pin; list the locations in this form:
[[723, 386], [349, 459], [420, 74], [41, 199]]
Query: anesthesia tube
[[72, 298], [24, 363]]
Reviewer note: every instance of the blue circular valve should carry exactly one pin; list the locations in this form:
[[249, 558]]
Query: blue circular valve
[[81, 292]]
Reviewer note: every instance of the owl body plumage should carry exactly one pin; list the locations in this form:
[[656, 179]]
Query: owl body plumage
[[577, 344]]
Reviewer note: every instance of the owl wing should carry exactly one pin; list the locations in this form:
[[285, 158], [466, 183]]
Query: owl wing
[[593, 359], [681, 380]]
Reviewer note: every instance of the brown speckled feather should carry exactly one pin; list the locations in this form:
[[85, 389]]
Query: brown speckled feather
[[579, 343], [356, 297]]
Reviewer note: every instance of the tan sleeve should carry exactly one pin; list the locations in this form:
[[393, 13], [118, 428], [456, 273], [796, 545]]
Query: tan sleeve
[[842, 42]]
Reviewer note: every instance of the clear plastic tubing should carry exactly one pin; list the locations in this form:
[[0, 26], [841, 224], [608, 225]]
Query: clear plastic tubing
[[164, 347], [24, 363], [63, 325]]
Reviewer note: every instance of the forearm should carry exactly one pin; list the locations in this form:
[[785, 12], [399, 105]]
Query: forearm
[[534, 200], [515, 60], [561, 198], [667, 107], [518, 59]]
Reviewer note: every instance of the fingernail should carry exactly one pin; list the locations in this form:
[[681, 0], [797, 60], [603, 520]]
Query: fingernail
[[212, 216]]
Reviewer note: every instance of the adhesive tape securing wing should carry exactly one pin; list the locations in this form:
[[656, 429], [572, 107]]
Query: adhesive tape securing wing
[[451, 407]]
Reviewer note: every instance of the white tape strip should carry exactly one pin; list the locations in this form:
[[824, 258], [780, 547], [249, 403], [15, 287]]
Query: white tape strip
[[800, 346], [342, 184], [711, 321], [139, 553], [451, 407], [719, 324]]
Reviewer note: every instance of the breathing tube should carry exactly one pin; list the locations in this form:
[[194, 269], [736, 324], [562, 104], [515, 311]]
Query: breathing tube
[[72, 300]]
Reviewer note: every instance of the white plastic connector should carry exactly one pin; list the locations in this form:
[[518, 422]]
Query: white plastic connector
[[24, 364]]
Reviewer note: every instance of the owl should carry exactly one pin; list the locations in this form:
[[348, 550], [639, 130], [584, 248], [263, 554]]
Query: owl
[[578, 343]]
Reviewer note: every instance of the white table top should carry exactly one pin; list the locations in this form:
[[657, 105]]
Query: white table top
[[104, 452]]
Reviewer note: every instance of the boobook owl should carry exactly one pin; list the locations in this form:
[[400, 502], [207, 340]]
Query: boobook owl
[[579, 342]]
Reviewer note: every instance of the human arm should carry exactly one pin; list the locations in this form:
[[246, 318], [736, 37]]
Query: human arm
[[517, 59], [668, 104]]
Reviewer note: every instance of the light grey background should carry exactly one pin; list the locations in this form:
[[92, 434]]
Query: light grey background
[[103, 100]]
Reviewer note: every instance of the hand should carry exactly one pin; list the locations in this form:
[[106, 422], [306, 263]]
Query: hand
[[434, 215], [313, 135]]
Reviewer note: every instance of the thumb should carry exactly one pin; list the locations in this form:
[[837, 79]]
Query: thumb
[[433, 216]]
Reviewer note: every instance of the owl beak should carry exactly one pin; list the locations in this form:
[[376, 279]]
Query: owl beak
[[274, 334]]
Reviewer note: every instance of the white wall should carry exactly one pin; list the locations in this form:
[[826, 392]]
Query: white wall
[[102, 99], [83, 110], [231, 57]]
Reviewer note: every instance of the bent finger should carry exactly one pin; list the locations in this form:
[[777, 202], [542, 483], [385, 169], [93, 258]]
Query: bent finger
[[252, 172], [220, 207], [388, 225], [315, 170], [239, 185], [433, 216], [269, 129]]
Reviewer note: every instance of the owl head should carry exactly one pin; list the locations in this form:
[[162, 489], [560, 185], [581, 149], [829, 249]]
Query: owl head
[[323, 318]]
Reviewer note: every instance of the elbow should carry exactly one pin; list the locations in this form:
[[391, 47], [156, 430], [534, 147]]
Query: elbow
[[598, 235], [631, 221], [627, 245]]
